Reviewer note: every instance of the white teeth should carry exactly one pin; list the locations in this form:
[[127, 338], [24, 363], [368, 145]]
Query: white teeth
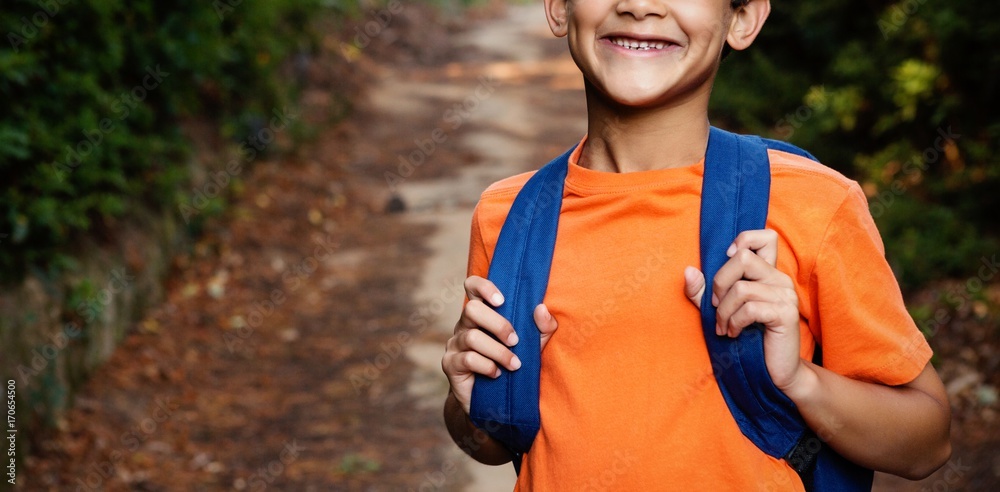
[[634, 44]]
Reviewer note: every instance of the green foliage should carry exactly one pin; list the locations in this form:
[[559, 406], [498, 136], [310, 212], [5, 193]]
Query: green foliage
[[928, 241], [94, 91], [898, 95], [356, 463]]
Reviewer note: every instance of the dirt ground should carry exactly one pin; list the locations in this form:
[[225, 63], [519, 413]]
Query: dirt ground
[[299, 347]]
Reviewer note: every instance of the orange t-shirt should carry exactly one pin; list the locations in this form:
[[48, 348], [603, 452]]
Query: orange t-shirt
[[627, 396]]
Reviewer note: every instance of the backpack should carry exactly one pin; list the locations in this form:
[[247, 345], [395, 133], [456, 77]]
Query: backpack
[[735, 194]]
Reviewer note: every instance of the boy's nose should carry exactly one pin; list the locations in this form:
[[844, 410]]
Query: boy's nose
[[642, 8]]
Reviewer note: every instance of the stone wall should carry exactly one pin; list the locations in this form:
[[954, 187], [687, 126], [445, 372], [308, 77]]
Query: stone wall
[[55, 330]]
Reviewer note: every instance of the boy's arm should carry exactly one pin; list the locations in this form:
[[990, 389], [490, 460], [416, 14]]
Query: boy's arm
[[473, 441], [903, 429]]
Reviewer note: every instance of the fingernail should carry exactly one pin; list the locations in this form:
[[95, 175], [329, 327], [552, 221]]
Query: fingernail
[[731, 250], [496, 373], [718, 329], [497, 299], [515, 363], [715, 300], [512, 339]]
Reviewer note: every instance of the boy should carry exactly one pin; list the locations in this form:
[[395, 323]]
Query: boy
[[627, 394]]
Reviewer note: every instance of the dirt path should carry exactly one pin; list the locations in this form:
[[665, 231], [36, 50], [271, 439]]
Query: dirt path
[[510, 108]]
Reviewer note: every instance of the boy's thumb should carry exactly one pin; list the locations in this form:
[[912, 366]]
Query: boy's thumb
[[694, 285], [546, 323], [544, 319]]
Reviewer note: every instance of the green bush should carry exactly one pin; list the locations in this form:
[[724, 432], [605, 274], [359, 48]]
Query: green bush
[[928, 242], [94, 91]]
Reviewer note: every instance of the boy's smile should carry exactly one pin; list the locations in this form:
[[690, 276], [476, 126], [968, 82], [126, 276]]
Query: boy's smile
[[633, 43], [643, 53]]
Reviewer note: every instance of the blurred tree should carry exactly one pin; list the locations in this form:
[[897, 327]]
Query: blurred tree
[[901, 96], [93, 91]]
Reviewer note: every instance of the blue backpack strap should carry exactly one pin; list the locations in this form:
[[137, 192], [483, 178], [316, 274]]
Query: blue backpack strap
[[735, 194], [507, 407], [734, 198]]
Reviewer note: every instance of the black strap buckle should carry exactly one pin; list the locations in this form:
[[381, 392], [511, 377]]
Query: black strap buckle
[[802, 457]]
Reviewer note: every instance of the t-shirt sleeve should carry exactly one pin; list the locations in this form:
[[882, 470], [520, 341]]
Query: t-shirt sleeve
[[865, 330], [479, 263]]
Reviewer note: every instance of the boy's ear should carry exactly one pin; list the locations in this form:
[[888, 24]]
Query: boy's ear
[[555, 12], [746, 23]]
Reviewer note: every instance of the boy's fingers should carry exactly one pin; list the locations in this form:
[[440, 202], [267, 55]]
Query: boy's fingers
[[479, 342], [763, 242], [477, 315], [483, 290], [741, 294], [471, 362], [765, 313], [694, 285], [744, 265]]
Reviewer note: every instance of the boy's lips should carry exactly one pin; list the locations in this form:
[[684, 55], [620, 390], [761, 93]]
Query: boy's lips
[[638, 42]]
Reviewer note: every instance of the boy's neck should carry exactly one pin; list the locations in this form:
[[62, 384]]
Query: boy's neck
[[627, 140]]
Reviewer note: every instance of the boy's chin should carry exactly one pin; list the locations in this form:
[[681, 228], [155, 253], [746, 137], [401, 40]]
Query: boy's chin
[[635, 98]]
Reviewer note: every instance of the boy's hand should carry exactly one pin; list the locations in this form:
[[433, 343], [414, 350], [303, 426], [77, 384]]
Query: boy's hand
[[748, 289], [471, 351]]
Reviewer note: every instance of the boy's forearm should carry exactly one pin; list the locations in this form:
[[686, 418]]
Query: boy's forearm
[[474, 441], [900, 430]]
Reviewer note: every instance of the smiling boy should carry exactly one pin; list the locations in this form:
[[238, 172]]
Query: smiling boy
[[627, 392]]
